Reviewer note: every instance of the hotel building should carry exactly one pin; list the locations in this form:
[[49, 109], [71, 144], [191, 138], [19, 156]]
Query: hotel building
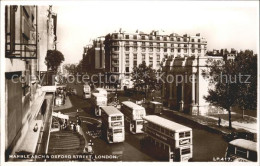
[[124, 51]]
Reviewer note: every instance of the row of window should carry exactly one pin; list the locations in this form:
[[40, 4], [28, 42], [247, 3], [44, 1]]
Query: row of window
[[115, 118], [244, 153], [184, 134], [159, 50], [159, 38], [143, 56], [161, 129], [144, 44]]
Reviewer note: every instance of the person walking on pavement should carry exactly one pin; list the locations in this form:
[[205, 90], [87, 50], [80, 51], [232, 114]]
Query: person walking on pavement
[[219, 121], [74, 127]]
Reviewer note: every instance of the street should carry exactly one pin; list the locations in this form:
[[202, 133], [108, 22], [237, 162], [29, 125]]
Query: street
[[206, 145]]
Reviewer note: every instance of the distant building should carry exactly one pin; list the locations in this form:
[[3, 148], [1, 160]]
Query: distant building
[[93, 61], [28, 34], [223, 53]]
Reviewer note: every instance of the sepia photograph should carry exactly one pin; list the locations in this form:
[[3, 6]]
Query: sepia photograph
[[129, 81]]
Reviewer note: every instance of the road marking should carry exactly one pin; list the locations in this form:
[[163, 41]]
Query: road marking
[[87, 122], [73, 112], [90, 118]]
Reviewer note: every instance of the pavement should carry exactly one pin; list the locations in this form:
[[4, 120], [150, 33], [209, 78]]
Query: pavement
[[210, 123]]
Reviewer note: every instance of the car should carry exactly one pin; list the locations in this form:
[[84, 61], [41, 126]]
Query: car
[[244, 134]]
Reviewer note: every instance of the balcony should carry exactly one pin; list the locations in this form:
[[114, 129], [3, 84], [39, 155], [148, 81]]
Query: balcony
[[115, 44], [115, 56], [115, 64]]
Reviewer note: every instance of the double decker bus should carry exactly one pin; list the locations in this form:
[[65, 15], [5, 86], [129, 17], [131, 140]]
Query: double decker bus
[[133, 115], [241, 150], [86, 91], [112, 124], [98, 100], [100, 91], [173, 139]]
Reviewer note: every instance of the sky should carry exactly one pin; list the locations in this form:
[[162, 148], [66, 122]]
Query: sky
[[232, 24]]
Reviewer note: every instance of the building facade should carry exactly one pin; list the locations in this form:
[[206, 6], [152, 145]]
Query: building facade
[[93, 62], [124, 51], [184, 87], [25, 102]]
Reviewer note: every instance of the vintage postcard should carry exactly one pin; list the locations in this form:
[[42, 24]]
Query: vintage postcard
[[130, 81]]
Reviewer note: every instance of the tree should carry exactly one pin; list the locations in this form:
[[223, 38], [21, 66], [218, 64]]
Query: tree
[[144, 77], [71, 68], [247, 67], [53, 59], [229, 88]]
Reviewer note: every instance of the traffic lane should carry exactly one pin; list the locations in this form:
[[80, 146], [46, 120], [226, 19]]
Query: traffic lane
[[124, 150], [207, 146]]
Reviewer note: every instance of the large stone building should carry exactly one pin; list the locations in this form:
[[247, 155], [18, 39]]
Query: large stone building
[[184, 87], [124, 51], [28, 35]]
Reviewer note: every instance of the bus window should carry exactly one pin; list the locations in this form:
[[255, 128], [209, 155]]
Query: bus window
[[172, 134], [113, 118], [231, 149], [167, 132], [241, 152], [181, 135], [252, 156], [187, 134], [139, 122], [184, 134], [118, 131], [119, 118], [185, 151], [162, 130]]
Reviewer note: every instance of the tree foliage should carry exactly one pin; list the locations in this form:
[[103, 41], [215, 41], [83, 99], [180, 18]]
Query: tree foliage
[[71, 68], [53, 59], [144, 77], [234, 82]]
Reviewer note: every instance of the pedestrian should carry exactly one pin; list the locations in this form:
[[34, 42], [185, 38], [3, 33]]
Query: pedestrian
[[219, 121], [66, 123], [71, 125], [79, 121], [74, 127]]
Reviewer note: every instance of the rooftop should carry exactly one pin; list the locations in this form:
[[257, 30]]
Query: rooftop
[[173, 126], [132, 105], [111, 110], [155, 102], [242, 143]]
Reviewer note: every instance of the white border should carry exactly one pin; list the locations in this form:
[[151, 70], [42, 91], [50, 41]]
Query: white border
[[2, 87]]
